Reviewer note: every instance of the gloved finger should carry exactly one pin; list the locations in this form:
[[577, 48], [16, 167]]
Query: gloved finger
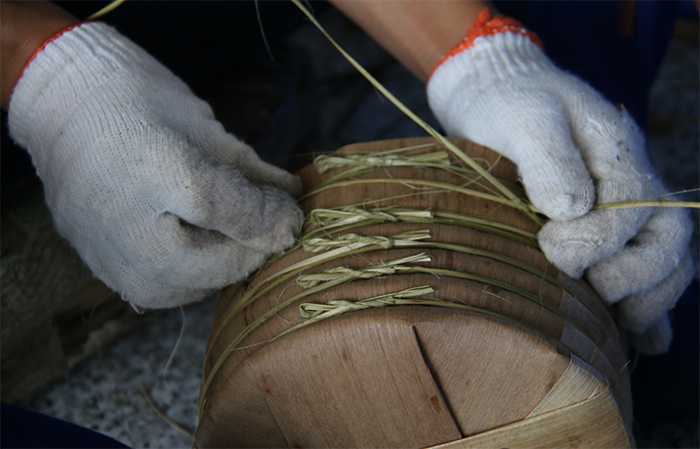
[[540, 143], [656, 339], [613, 149], [572, 246], [262, 173], [163, 262], [170, 260], [224, 148], [188, 257], [575, 245], [219, 198], [637, 312], [209, 136], [647, 259], [249, 163]]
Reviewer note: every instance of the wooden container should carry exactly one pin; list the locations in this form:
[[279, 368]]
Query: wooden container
[[496, 349]]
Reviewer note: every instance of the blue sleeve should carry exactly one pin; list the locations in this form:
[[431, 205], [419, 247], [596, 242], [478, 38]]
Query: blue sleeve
[[21, 428], [583, 38]]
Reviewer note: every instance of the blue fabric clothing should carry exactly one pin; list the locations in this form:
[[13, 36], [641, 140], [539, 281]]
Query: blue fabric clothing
[[23, 428], [665, 387], [583, 38]]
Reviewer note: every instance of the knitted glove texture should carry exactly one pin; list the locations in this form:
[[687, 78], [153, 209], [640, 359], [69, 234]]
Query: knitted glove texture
[[160, 202], [573, 150]]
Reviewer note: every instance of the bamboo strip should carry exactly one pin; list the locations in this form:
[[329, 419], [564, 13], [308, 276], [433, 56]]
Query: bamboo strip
[[577, 384], [595, 423]]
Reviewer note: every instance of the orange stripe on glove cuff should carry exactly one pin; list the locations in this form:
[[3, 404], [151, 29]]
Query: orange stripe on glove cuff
[[486, 26], [48, 41]]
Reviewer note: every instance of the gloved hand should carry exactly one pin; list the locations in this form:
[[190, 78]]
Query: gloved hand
[[573, 150], [160, 202]]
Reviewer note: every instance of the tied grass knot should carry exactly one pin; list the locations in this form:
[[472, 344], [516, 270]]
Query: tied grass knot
[[381, 270], [327, 218], [317, 312], [316, 245], [345, 215], [402, 239], [376, 160]]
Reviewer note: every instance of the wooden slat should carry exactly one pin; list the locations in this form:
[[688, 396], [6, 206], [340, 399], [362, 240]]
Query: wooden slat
[[237, 414], [492, 374], [594, 423], [578, 383], [359, 381], [411, 376]]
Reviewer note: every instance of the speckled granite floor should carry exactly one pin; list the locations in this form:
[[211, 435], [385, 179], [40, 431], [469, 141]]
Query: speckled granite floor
[[104, 392]]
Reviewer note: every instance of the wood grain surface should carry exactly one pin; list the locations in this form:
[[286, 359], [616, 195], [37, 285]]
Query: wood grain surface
[[412, 375]]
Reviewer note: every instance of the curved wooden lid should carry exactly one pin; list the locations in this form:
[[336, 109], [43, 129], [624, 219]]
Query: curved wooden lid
[[503, 337]]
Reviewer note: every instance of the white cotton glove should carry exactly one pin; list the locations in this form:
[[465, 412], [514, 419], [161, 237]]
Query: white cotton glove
[[573, 150], [160, 202]]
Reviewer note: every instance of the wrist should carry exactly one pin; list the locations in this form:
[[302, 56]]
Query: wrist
[[418, 32], [26, 27]]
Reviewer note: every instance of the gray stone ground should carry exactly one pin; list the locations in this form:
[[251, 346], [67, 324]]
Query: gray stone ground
[[104, 392]]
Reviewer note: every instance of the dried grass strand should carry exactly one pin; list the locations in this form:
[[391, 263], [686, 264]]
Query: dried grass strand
[[159, 411], [107, 9], [520, 204]]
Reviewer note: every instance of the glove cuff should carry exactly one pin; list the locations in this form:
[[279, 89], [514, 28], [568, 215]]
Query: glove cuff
[[37, 76], [48, 41], [493, 49], [59, 75], [486, 26]]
